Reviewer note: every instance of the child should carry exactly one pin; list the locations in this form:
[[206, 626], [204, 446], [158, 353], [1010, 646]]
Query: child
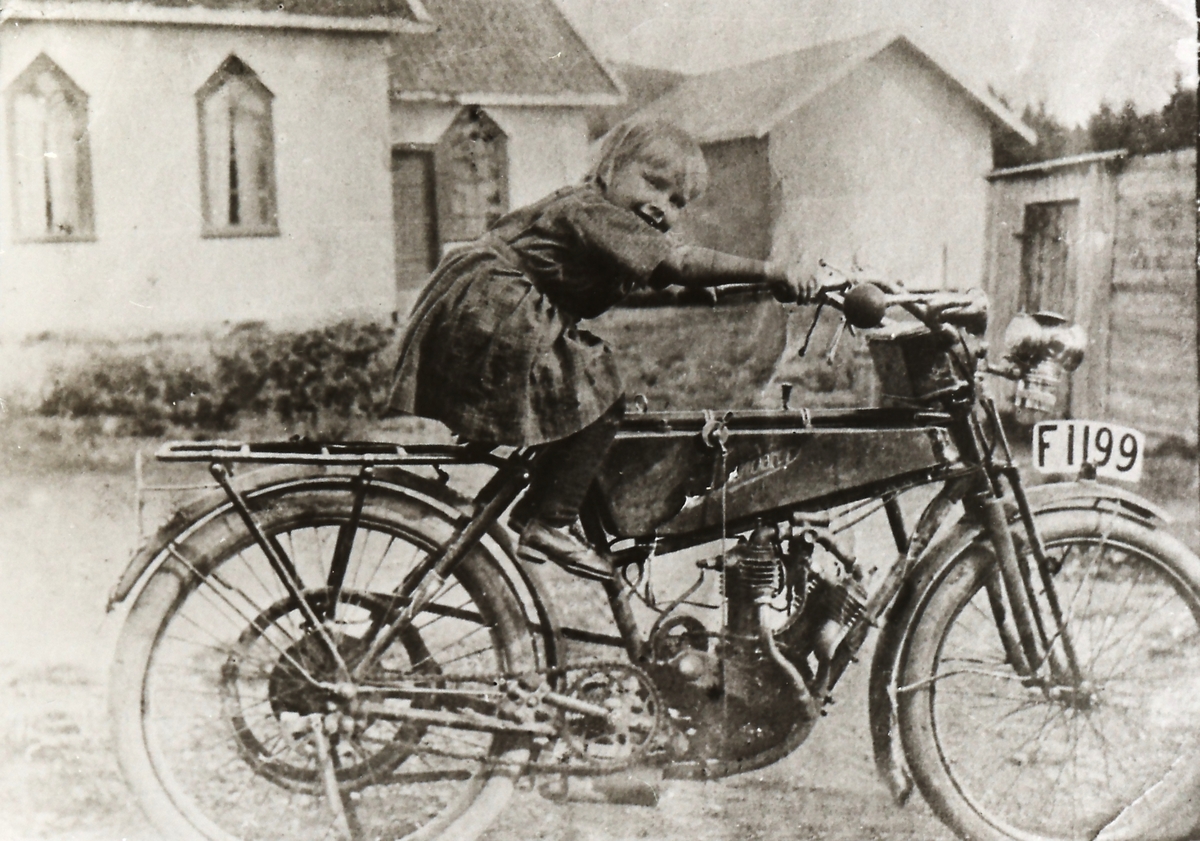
[[494, 349]]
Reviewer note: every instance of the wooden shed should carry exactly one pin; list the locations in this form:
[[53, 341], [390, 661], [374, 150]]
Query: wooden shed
[[1109, 241]]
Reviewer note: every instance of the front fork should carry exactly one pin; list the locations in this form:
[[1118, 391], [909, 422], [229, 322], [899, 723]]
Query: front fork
[[1036, 639], [1030, 622]]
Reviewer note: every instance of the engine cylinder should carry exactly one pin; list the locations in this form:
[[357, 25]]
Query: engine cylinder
[[842, 604], [752, 575]]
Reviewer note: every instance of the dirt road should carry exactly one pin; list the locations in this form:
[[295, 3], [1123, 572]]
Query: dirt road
[[68, 528]]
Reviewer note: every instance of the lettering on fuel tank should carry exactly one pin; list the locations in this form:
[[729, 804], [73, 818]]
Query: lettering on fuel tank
[[761, 467]]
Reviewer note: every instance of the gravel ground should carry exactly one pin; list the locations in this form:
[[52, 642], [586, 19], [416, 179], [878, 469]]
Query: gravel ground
[[69, 526]]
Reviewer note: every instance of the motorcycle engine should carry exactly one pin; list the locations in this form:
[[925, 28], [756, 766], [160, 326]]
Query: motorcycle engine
[[728, 699]]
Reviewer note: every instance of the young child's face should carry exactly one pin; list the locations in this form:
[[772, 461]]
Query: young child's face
[[650, 190]]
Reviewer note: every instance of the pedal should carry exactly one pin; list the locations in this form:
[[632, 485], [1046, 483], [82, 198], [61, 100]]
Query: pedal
[[618, 790]]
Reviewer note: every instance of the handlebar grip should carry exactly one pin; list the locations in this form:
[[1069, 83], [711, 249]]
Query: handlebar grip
[[864, 306]]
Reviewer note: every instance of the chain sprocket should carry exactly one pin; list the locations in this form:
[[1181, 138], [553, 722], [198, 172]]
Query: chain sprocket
[[635, 719]]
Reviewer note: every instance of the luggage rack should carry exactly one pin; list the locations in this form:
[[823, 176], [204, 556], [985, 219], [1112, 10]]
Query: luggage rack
[[308, 453], [354, 453]]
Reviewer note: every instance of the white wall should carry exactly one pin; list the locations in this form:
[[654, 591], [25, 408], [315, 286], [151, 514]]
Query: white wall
[[149, 268], [887, 166], [547, 147]]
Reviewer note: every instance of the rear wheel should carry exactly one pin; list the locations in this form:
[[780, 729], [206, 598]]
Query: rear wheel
[[222, 679], [1001, 756]]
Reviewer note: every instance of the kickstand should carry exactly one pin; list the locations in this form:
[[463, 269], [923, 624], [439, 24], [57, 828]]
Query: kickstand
[[344, 818]]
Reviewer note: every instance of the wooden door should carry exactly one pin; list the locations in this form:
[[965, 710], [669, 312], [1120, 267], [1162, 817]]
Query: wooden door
[[1048, 270], [414, 210]]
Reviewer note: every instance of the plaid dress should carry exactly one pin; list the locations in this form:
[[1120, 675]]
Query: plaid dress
[[494, 349]]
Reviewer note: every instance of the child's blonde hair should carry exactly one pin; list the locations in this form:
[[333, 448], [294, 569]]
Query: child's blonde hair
[[656, 142]]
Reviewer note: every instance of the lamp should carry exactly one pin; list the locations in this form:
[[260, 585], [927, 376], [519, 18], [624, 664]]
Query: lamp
[[1042, 347]]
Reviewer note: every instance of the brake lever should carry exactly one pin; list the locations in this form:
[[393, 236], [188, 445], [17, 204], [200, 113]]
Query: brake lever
[[811, 329], [835, 341]]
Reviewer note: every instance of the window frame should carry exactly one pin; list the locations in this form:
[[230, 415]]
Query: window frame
[[24, 83], [234, 68]]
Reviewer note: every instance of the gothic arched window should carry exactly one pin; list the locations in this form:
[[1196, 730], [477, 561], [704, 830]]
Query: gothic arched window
[[48, 155], [472, 176], [237, 153]]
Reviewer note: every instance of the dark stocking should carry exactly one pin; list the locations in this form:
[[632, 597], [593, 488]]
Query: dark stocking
[[565, 469]]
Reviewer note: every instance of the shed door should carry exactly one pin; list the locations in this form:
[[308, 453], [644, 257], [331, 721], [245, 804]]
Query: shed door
[[1047, 270], [414, 212]]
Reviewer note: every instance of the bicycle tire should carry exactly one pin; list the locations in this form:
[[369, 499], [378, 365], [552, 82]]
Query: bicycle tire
[[999, 759], [198, 755]]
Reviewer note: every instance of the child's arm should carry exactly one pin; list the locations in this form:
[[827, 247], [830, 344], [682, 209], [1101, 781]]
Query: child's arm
[[694, 266]]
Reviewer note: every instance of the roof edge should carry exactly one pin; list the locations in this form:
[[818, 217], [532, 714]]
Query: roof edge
[[885, 38], [1059, 163], [493, 98], [419, 12], [1001, 112], [882, 39], [608, 72], [107, 11]]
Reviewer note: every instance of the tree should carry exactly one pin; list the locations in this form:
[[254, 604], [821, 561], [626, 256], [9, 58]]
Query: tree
[[1173, 126], [1054, 140], [1179, 119]]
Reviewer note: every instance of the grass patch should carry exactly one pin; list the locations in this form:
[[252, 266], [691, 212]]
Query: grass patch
[[698, 356]]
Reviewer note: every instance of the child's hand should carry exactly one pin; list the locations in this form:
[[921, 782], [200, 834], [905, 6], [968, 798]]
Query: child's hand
[[796, 283], [784, 290]]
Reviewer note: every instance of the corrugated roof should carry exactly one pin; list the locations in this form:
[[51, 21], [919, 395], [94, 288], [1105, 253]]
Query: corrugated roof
[[1060, 163], [505, 48], [750, 99]]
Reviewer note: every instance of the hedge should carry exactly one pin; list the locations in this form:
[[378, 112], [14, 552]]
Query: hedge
[[315, 379]]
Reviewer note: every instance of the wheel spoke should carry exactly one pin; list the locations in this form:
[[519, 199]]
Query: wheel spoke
[[1056, 762], [238, 670]]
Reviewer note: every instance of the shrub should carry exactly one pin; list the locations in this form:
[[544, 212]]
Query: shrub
[[145, 388], [319, 380]]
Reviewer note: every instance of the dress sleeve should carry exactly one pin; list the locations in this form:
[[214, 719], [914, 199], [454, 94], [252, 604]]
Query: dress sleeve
[[619, 239]]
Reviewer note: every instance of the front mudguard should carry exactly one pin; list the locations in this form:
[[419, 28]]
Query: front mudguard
[[260, 485], [1062, 496]]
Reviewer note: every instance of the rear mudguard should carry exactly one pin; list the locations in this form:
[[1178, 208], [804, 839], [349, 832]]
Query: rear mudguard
[[387, 482], [1082, 495]]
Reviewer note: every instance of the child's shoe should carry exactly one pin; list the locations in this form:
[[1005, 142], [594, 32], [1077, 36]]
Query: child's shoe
[[541, 542]]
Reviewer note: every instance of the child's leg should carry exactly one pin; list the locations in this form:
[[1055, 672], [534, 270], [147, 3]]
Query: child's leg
[[564, 471]]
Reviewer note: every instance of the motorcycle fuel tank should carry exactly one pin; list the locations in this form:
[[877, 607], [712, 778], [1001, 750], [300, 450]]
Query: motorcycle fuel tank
[[670, 474]]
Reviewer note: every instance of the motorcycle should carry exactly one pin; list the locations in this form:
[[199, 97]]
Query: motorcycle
[[341, 643]]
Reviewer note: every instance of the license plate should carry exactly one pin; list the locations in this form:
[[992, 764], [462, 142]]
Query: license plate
[[1063, 446]]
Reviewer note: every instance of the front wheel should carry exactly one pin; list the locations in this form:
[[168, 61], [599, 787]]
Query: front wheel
[[222, 679], [1002, 755]]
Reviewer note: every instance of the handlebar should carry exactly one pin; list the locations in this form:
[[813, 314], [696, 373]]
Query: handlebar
[[865, 302]]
